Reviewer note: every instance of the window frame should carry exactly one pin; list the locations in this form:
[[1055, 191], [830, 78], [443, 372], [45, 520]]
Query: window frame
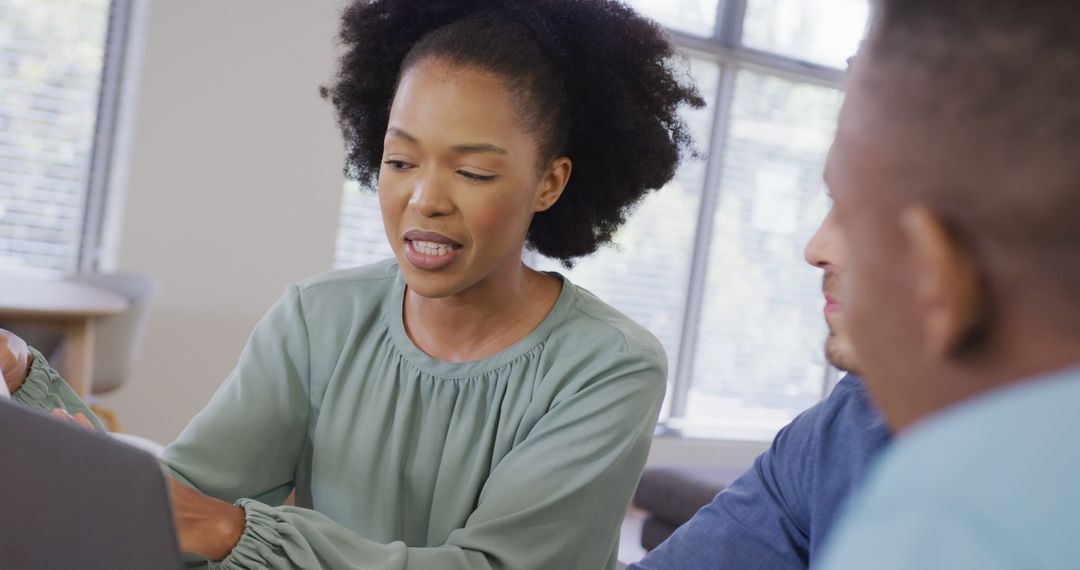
[[108, 153]]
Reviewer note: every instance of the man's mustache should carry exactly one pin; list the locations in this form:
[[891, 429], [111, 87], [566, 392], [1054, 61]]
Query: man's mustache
[[830, 284]]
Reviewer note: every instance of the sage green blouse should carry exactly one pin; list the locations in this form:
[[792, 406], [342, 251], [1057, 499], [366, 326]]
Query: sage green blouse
[[524, 460]]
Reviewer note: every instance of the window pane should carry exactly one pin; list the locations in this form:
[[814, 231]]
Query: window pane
[[759, 356], [51, 55], [825, 32], [697, 17], [361, 239], [646, 273]]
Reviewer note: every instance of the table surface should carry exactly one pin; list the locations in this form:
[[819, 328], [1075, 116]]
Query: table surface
[[59, 298]]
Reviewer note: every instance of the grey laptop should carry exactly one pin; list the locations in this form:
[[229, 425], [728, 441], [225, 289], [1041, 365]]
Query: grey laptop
[[70, 498]]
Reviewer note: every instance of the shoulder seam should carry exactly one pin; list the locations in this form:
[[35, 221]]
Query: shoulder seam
[[622, 335], [306, 286]]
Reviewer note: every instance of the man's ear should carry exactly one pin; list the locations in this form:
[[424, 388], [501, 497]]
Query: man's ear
[[552, 183], [949, 287]]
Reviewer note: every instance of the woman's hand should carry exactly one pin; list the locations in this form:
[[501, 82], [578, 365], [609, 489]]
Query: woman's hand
[[204, 525], [78, 419], [15, 360]]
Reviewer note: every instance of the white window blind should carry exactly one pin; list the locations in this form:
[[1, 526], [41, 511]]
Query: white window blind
[[360, 238], [51, 59], [759, 357], [825, 32]]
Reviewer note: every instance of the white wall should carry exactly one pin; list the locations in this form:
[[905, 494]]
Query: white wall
[[233, 190], [669, 450]]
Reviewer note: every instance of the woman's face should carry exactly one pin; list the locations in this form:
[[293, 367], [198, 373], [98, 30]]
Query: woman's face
[[458, 185]]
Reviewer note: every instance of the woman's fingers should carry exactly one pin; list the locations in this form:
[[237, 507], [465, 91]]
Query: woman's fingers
[[79, 419], [84, 421], [14, 356]]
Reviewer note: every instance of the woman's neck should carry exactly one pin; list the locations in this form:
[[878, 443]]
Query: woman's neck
[[483, 320]]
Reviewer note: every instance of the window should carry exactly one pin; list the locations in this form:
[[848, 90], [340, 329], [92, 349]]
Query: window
[[360, 238], [758, 356], [818, 31], [697, 17], [713, 263], [52, 64]]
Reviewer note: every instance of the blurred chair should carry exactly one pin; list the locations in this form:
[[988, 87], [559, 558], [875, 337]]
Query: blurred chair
[[117, 339]]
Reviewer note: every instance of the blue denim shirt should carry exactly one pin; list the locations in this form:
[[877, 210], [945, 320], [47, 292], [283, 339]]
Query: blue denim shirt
[[778, 514]]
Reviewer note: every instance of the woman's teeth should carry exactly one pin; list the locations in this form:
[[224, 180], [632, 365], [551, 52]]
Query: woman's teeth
[[431, 248]]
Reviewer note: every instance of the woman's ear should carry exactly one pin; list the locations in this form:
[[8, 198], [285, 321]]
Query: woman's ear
[[949, 287], [552, 183]]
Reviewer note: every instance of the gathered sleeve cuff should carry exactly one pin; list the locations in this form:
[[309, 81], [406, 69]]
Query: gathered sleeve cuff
[[46, 390]]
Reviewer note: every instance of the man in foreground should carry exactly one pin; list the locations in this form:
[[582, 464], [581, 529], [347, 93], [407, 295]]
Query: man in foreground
[[956, 179]]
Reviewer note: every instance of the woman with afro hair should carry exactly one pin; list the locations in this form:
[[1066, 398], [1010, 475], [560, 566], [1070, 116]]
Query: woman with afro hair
[[452, 408]]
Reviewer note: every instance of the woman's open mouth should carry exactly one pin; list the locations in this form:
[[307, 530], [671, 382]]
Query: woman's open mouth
[[430, 251]]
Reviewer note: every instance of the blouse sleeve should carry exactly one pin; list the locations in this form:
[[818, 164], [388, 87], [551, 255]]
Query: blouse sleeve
[[247, 441], [46, 390]]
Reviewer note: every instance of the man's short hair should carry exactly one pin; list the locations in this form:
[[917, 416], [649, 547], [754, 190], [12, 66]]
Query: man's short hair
[[994, 86]]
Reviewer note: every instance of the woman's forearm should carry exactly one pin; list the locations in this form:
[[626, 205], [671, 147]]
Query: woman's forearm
[[204, 525]]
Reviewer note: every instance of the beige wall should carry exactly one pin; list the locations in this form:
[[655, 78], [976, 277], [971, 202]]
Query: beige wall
[[233, 189]]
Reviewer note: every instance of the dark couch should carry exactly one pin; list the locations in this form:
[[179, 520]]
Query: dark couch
[[672, 494]]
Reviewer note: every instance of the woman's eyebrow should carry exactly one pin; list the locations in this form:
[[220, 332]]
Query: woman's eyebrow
[[396, 132], [478, 148], [466, 148]]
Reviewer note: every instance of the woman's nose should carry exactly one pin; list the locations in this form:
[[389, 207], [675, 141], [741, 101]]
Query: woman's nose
[[431, 197]]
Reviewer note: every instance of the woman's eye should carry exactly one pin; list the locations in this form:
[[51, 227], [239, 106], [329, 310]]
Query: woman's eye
[[397, 164], [475, 176]]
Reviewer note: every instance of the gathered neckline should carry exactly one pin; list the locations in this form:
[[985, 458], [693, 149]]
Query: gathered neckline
[[394, 314]]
